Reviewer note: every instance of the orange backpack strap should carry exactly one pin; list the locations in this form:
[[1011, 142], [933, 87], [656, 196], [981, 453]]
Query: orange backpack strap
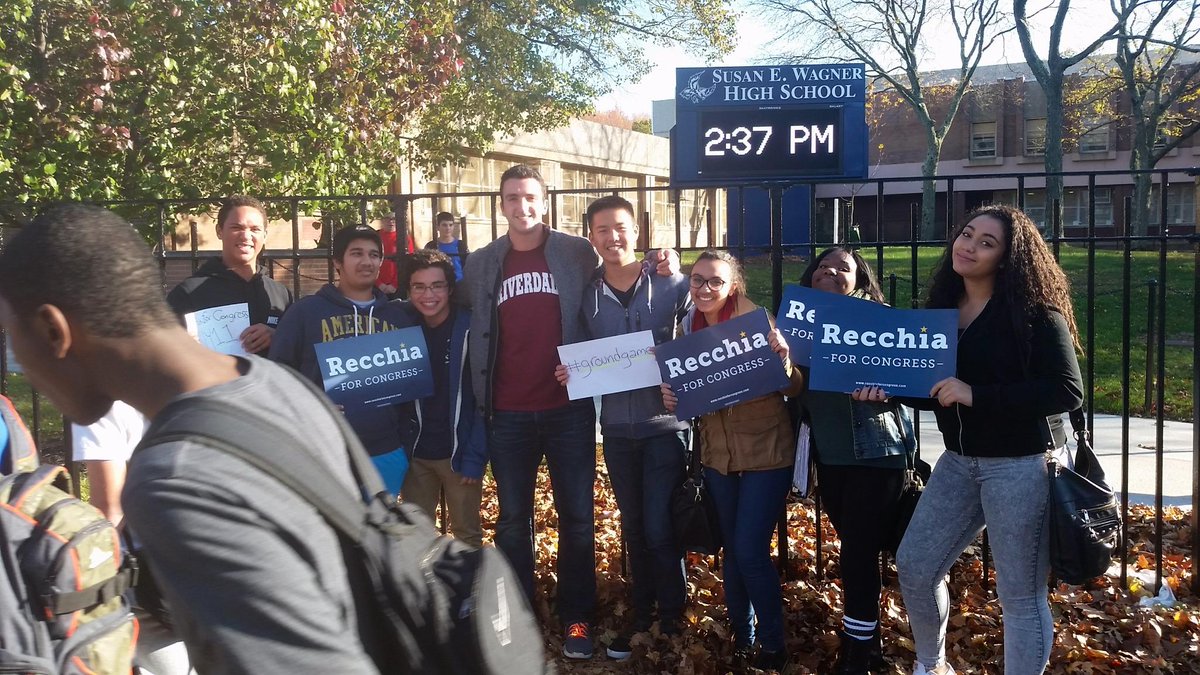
[[22, 453]]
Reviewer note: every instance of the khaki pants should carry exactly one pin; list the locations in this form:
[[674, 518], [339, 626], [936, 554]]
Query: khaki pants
[[426, 478]]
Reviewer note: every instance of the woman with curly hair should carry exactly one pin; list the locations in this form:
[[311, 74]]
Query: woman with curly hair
[[1017, 374]]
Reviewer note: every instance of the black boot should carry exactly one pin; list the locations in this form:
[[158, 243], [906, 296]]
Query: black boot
[[854, 657], [875, 660]]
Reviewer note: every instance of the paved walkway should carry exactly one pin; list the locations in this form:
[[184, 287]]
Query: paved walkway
[[1178, 470]]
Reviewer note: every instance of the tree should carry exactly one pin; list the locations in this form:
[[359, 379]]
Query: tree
[[1162, 90], [1050, 74], [136, 99], [890, 37]]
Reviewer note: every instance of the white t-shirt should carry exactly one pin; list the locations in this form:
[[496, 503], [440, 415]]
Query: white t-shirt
[[112, 437]]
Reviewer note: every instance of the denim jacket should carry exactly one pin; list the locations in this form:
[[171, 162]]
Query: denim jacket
[[881, 429]]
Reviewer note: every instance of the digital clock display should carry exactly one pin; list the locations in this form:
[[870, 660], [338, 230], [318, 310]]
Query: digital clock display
[[749, 142]]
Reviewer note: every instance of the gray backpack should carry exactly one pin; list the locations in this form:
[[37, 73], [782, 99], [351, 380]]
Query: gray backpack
[[63, 573], [438, 605]]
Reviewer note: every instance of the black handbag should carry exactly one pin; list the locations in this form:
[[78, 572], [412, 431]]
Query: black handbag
[[916, 475], [1085, 518], [693, 514]]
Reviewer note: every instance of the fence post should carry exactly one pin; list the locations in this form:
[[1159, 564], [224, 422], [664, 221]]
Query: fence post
[[1195, 409], [1151, 298]]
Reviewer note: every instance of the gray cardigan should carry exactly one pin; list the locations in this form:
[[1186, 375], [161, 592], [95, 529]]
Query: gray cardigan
[[572, 261]]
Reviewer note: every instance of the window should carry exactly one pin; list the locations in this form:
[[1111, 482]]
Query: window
[[983, 140], [1035, 137], [1075, 207], [1095, 136], [1181, 204]]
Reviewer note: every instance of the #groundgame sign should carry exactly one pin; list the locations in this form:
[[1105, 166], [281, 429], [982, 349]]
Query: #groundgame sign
[[376, 370], [721, 366]]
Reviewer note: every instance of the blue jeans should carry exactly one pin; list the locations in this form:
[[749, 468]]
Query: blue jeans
[[748, 507], [1009, 495], [644, 472], [566, 438]]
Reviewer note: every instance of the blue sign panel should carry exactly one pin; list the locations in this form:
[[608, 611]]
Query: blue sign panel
[[769, 123], [800, 314], [904, 351], [721, 366], [372, 371]]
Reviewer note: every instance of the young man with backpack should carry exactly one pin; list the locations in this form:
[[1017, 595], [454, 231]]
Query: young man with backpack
[[256, 579], [446, 242]]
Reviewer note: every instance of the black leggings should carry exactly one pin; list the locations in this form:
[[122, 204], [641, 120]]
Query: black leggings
[[861, 504]]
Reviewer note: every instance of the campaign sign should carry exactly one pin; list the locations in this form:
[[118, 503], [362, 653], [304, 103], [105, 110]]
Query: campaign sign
[[609, 365], [376, 370], [220, 328], [721, 366], [904, 351], [799, 318]]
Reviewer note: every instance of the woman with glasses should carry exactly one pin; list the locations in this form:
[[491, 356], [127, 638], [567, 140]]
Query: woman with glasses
[[747, 452], [449, 447]]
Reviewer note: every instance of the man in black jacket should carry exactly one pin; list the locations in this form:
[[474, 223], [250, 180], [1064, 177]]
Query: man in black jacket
[[235, 278]]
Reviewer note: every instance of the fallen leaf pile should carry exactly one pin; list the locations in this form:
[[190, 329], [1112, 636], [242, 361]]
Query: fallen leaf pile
[[1099, 628]]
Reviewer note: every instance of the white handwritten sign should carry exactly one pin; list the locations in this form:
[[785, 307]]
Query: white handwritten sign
[[610, 365], [219, 328]]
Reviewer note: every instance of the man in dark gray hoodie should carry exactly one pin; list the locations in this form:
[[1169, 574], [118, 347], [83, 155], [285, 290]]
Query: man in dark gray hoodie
[[254, 575], [351, 307]]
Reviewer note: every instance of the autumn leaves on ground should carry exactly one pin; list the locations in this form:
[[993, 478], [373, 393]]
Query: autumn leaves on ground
[[1098, 629]]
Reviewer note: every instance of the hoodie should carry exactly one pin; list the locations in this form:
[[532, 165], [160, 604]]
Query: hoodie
[[215, 285], [658, 304], [327, 316]]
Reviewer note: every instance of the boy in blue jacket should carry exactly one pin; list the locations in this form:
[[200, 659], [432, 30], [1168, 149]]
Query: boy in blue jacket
[[449, 449], [644, 445], [351, 307]]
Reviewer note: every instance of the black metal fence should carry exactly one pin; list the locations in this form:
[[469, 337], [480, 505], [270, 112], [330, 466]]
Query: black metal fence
[[1141, 363]]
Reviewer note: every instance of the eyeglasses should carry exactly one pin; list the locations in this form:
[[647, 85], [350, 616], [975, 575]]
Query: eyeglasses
[[714, 283], [438, 287]]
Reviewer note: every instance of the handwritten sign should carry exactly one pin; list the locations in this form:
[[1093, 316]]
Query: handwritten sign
[[721, 366], [799, 317], [220, 328], [905, 351], [609, 365], [376, 370]]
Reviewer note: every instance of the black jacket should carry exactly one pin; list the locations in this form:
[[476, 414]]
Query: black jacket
[[1016, 405], [214, 285]]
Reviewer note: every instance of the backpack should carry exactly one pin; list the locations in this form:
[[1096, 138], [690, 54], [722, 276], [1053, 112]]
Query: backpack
[[61, 603], [438, 605]]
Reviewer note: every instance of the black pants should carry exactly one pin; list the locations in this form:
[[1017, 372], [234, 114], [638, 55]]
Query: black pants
[[861, 504]]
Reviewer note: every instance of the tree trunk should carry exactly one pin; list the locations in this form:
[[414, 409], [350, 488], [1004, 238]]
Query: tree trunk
[[929, 225], [1141, 156], [1054, 154]]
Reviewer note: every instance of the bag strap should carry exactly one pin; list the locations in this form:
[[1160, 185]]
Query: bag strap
[[272, 449], [1086, 462], [695, 470]]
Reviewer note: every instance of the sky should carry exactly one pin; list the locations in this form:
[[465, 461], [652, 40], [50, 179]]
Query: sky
[[754, 34]]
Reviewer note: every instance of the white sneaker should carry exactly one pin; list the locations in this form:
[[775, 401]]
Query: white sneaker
[[920, 669]]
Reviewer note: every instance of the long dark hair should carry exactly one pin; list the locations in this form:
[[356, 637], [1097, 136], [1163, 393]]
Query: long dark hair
[[864, 278], [1029, 279]]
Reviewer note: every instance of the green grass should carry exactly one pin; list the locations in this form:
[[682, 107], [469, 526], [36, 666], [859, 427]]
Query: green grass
[[1108, 302]]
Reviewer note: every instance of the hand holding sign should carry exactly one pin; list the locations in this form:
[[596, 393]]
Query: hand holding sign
[[721, 366], [220, 328]]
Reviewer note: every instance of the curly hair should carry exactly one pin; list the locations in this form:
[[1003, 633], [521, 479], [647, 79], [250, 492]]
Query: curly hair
[[1029, 279], [864, 278]]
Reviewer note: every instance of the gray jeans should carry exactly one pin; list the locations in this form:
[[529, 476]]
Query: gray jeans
[[1009, 495]]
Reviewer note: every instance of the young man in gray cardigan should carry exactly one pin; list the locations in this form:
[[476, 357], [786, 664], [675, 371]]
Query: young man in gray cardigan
[[525, 290]]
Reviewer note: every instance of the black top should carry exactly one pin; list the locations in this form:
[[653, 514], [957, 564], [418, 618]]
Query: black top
[[214, 285], [437, 437], [1011, 399], [624, 297]]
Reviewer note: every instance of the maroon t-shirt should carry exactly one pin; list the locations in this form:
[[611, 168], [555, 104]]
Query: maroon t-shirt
[[530, 333]]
